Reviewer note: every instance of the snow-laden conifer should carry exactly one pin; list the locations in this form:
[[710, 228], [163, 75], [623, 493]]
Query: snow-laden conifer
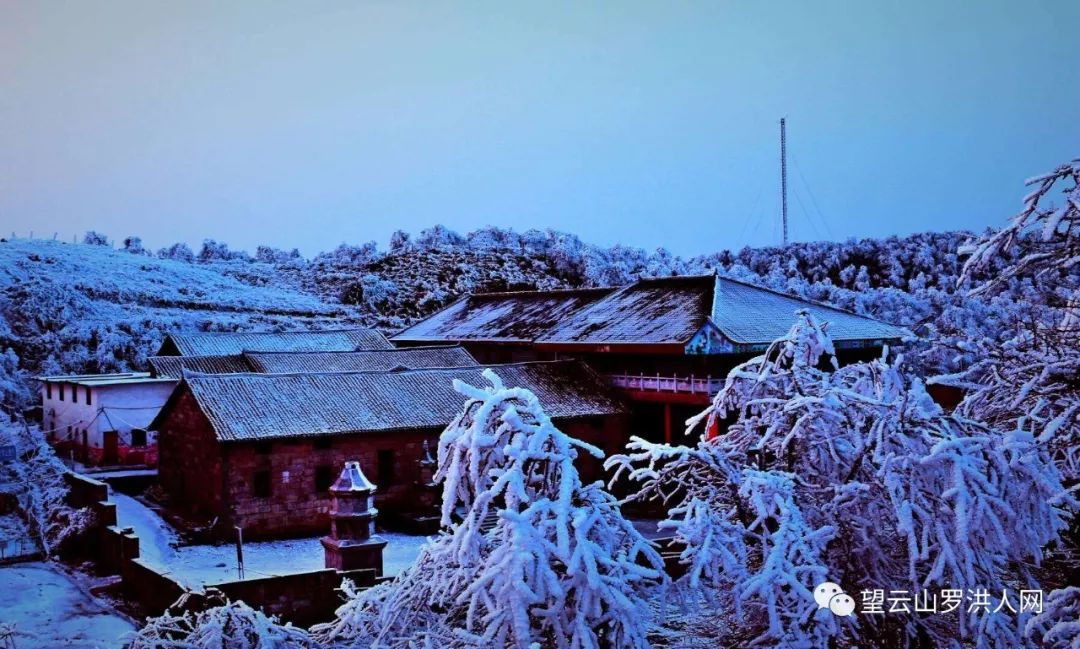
[[530, 554]]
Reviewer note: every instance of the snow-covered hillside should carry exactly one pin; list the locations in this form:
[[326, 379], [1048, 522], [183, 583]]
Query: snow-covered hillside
[[88, 308], [93, 308]]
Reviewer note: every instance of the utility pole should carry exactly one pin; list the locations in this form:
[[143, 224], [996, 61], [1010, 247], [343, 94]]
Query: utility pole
[[783, 175]]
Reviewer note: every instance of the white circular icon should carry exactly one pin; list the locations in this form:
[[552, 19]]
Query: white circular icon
[[824, 592], [842, 605]]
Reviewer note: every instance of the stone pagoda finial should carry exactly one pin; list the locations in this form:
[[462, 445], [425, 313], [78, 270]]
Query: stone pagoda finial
[[352, 543]]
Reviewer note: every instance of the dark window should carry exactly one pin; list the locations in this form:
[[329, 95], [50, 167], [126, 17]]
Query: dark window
[[61, 391], [324, 477], [385, 475], [323, 443], [88, 396], [138, 437], [74, 394], [48, 390], [264, 448], [260, 483]]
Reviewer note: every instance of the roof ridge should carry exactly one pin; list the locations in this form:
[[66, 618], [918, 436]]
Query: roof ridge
[[245, 352], [539, 292]]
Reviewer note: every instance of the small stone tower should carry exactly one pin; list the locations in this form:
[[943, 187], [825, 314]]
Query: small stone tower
[[352, 543]]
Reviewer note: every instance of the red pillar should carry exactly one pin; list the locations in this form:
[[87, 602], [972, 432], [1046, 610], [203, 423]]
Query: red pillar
[[667, 423]]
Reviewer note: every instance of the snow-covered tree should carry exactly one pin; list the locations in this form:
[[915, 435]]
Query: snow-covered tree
[[43, 490], [93, 238], [531, 554], [1058, 626], [178, 252], [1028, 380], [218, 624], [134, 245], [810, 471]]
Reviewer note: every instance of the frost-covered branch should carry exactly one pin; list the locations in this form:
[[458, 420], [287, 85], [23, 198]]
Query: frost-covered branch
[[536, 557], [853, 474]]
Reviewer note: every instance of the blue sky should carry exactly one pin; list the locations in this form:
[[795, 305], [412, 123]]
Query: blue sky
[[648, 124]]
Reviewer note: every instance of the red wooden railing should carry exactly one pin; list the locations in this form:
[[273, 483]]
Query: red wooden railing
[[658, 383]]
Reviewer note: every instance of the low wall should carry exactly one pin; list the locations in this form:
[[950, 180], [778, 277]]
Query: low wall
[[85, 491], [151, 591], [303, 599]]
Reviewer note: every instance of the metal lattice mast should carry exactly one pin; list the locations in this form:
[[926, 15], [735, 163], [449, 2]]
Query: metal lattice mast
[[783, 175]]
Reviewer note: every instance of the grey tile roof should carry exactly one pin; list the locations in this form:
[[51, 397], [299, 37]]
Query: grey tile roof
[[383, 359], [649, 311], [270, 406], [660, 311], [224, 343], [174, 366], [749, 314], [504, 317]]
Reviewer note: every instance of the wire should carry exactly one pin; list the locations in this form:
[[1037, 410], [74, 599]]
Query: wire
[[813, 200]]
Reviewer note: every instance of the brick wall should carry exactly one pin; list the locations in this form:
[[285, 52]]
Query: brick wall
[[190, 468], [272, 488], [294, 506], [303, 599]]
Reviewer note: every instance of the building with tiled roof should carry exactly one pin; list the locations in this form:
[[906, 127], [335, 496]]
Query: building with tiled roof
[[667, 342], [258, 450]]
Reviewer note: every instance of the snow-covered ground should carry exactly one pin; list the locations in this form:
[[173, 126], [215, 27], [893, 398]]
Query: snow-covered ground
[[195, 566], [49, 609]]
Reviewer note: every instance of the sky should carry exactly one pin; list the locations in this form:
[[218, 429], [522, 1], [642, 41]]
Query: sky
[[642, 123]]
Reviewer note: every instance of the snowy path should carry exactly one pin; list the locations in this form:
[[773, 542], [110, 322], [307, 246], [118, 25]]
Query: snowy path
[[48, 609], [195, 566]]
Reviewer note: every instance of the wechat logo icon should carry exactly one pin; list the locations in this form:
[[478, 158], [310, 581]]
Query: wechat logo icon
[[831, 596]]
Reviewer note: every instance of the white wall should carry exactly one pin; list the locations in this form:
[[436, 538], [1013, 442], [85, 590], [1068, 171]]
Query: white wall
[[118, 407]]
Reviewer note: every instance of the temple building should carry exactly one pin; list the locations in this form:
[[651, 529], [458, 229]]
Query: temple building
[[667, 343], [261, 451]]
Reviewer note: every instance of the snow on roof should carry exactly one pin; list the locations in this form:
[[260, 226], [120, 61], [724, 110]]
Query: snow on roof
[[352, 478], [649, 311], [93, 380], [224, 343], [505, 317], [383, 359], [751, 314], [268, 406], [659, 311], [174, 366]]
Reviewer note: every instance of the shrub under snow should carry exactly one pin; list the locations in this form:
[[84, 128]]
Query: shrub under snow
[[43, 490], [223, 625]]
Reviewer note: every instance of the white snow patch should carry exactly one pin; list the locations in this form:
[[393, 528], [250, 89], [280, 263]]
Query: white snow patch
[[48, 609]]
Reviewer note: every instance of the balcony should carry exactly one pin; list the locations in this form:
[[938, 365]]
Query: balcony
[[655, 383]]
